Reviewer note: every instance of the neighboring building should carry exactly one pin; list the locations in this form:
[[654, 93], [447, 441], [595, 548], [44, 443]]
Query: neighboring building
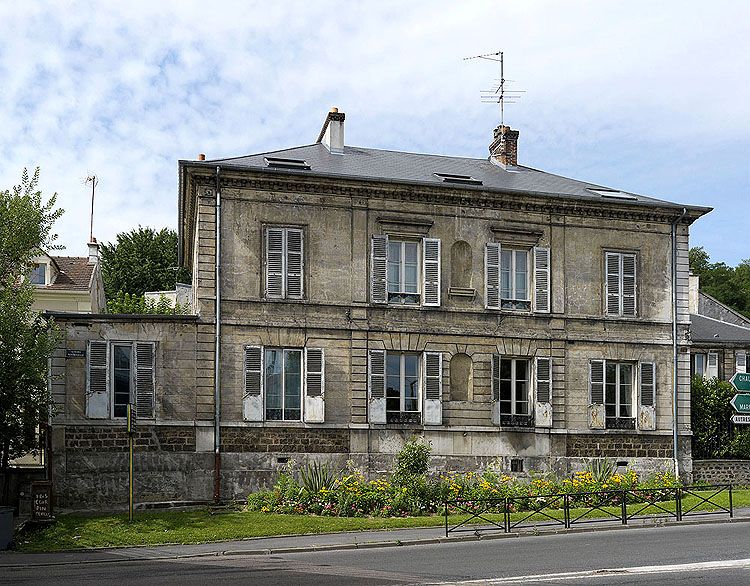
[[181, 295], [720, 336], [506, 314], [68, 283]]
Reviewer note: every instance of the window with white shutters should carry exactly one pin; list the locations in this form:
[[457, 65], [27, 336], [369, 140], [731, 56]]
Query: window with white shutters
[[492, 275], [284, 263], [543, 380], [648, 384], [740, 361], [511, 391], [541, 280], [431, 272], [97, 379], [516, 279], [712, 365], [620, 284], [144, 379], [376, 410], [611, 384], [405, 272]]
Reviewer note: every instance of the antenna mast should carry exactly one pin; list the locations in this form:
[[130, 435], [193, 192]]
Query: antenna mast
[[91, 178], [498, 94]]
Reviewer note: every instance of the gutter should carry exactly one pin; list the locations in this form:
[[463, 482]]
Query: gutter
[[674, 342], [217, 349]]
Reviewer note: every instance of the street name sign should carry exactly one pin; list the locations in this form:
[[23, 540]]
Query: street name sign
[[741, 419], [741, 403], [741, 381]]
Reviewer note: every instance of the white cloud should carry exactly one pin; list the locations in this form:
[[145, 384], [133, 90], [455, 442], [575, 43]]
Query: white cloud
[[646, 96]]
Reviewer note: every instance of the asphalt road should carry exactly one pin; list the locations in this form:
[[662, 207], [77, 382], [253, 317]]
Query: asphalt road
[[716, 554]]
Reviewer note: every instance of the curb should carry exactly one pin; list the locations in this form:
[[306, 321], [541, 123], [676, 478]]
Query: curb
[[528, 533]]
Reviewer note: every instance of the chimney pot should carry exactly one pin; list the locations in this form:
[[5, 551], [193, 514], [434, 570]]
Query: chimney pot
[[334, 110], [202, 157]]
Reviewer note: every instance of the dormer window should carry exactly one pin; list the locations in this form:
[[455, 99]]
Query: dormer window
[[282, 163], [612, 194], [38, 274]]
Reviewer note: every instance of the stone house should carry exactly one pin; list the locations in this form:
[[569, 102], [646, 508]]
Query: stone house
[[348, 298]]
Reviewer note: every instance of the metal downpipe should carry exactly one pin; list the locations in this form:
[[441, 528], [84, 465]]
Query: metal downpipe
[[217, 349], [675, 357]]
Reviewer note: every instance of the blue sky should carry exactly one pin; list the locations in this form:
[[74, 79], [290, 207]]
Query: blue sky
[[649, 97]]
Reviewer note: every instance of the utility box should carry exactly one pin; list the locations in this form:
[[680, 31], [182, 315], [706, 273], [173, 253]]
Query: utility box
[[6, 527]]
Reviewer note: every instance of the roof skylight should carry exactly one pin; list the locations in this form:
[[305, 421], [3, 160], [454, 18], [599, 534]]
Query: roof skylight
[[612, 193], [281, 163], [463, 179]]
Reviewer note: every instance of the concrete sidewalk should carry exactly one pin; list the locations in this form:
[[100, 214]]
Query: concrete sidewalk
[[335, 541]]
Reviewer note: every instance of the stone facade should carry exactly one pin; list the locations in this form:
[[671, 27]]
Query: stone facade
[[336, 316], [734, 472]]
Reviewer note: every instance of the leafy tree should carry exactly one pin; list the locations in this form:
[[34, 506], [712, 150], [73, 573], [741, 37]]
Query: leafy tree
[[730, 285], [141, 260], [714, 434], [26, 337], [127, 303]]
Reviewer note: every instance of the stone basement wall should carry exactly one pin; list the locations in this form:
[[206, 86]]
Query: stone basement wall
[[619, 446], [735, 472]]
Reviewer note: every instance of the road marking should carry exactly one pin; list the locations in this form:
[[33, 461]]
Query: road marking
[[603, 573]]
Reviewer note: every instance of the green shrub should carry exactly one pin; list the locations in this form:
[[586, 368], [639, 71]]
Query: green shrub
[[412, 461], [315, 477], [714, 435], [601, 469]]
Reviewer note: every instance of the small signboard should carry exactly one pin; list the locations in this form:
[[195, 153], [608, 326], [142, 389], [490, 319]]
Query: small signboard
[[741, 403], [741, 419], [75, 354], [741, 381], [41, 501]]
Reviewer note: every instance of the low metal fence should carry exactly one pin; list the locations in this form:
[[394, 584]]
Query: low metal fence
[[568, 509]]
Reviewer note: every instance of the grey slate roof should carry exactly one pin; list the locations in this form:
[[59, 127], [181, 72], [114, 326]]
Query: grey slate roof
[[706, 329], [402, 167]]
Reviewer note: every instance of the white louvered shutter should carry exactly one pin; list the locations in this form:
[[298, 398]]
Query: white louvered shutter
[[543, 393], [379, 269], [647, 392], [612, 268], [275, 263], [648, 384], [97, 380], [252, 398], [492, 275], [740, 361], [495, 380], [294, 263], [712, 365], [433, 388], [431, 272], [144, 379], [376, 386], [314, 385], [541, 280], [628, 285], [596, 382]]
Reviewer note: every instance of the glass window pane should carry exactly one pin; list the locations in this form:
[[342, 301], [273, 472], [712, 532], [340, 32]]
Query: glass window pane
[[505, 390], [273, 383], [411, 365], [522, 369], [37, 276], [410, 278], [292, 383], [393, 386], [626, 374], [394, 251], [521, 289], [521, 261], [505, 369], [121, 380], [410, 252], [393, 277]]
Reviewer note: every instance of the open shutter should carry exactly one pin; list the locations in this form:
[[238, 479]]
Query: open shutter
[[97, 387], [712, 365], [314, 385], [597, 414], [144, 379], [294, 263], [431, 272], [379, 269], [492, 275], [252, 399], [376, 385], [612, 268], [433, 388], [541, 280], [740, 361], [647, 392], [543, 406], [628, 285], [275, 262], [495, 376]]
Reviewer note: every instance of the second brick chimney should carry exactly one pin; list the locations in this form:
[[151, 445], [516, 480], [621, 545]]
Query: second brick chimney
[[505, 153]]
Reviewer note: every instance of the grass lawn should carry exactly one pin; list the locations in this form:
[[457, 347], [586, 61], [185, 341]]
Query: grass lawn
[[158, 528]]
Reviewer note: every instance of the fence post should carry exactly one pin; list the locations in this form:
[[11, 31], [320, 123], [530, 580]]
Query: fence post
[[566, 510], [506, 515], [446, 517], [731, 509], [678, 502], [624, 507]]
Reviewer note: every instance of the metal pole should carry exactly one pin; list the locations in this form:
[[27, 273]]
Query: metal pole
[[624, 506], [217, 349], [675, 438], [130, 463], [446, 518], [731, 508]]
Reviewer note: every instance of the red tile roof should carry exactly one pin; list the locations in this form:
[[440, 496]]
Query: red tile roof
[[75, 273]]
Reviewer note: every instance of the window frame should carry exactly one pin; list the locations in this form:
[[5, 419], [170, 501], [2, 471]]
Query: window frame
[[514, 387], [285, 295], [284, 351], [394, 296], [511, 303], [45, 280], [619, 404], [621, 255], [402, 412], [131, 378]]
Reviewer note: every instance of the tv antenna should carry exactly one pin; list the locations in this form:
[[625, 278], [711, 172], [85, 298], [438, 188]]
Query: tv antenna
[[92, 178], [498, 93]]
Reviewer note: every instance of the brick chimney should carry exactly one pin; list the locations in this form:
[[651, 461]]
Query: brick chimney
[[332, 133], [505, 155], [93, 251]]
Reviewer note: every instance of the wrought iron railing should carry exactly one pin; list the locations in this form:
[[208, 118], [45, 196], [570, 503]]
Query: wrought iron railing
[[568, 509]]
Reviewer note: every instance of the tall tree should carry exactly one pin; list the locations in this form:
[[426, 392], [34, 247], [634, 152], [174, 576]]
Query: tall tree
[[141, 260], [26, 337], [730, 285]]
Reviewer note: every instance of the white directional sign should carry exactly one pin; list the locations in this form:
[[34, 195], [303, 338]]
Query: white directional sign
[[741, 419]]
